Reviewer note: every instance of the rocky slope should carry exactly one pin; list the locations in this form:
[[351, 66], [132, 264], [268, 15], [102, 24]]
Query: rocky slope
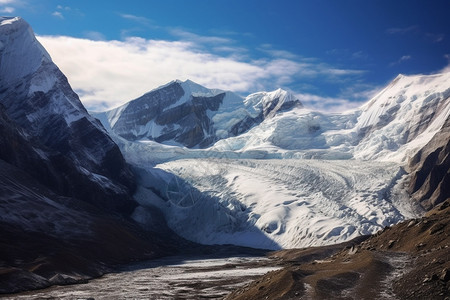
[[410, 260]]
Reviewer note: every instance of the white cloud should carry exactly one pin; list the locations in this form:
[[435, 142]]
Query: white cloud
[[268, 48], [349, 98], [3, 2], [405, 57], [58, 14], [198, 39], [402, 30], [447, 68], [138, 19], [401, 60], [9, 6], [106, 74], [328, 104], [7, 10], [94, 35]]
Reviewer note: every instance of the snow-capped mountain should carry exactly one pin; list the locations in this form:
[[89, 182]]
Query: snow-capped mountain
[[65, 188], [259, 171], [190, 115], [393, 125], [38, 98], [299, 177]]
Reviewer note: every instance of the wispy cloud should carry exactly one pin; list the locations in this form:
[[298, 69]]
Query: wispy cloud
[[66, 8], [58, 14], [327, 104], [9, 6], [61, 12], [429, 36], [350, 98], [447, 68], [94, 35], [400, 60], [3, 2], [270, 50], [198, 39], [7, 9], [138, 19], [402, 30], [435, 37]]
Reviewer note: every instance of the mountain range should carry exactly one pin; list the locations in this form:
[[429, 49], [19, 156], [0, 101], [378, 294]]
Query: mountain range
[[184, 164], [290, 176]]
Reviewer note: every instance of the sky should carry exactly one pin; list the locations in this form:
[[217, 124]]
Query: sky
[[334, 55]]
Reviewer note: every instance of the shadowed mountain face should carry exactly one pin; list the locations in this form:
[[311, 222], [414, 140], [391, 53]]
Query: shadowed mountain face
[[82, 161], [430, 170], [187, 124]]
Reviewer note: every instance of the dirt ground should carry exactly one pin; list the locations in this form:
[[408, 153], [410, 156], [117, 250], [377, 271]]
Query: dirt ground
[[410, 260]]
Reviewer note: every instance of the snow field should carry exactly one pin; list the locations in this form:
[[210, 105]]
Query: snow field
[[274, 203]]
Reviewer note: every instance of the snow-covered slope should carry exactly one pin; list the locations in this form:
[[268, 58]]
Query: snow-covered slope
[[37, 97], [188, 114], [403, 117], [392, 126]]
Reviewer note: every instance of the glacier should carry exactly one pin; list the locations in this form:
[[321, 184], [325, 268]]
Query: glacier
[[296, 178]]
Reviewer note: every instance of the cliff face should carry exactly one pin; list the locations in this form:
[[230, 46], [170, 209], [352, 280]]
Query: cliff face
[[430, 170]]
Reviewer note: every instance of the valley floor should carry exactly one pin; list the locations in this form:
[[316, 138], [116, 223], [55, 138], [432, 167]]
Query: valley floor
[[179, 277]]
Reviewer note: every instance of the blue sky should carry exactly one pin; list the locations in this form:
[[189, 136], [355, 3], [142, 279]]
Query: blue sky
[[332, 54]]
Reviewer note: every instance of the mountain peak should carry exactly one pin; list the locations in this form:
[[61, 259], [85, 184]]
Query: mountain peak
[[12, 23], [22, 54], [189, 114]]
